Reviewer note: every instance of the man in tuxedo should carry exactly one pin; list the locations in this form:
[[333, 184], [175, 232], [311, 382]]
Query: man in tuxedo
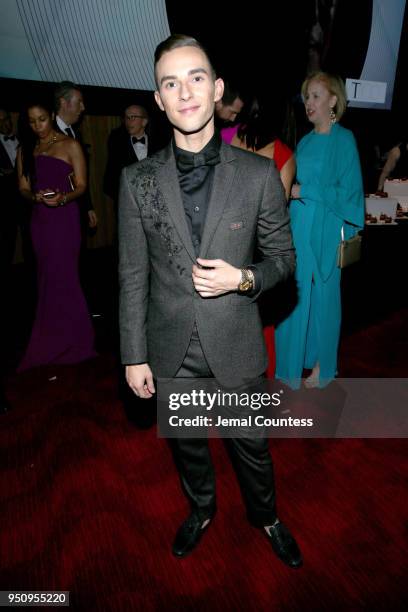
[[8, 232], [127, 145], [9, 191], [11, 217], [190, 219], [69, 105], [15, 211]]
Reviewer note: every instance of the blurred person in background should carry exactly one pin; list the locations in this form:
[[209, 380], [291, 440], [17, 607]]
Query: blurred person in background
[[327, 196], [62, 332]]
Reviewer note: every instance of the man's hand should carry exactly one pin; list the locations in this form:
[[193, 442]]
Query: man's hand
[[223, 278], [92, 219], [140, 380]]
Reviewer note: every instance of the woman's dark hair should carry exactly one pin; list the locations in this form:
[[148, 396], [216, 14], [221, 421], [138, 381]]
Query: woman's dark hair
[[262, 123], [27, 138]]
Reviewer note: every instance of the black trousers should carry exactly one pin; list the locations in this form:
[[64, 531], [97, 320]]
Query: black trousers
[[250, 457]]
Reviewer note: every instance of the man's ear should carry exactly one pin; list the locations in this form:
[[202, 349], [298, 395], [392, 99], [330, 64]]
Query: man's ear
[[219, 90], [158, 100]]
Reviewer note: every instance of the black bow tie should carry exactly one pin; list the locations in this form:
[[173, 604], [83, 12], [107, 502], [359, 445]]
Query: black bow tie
[[186, 162], [9, 138], [135, 140]]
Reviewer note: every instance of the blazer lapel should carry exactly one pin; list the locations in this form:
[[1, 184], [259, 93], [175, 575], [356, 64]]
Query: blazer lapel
[[169, 185], [223, 180]]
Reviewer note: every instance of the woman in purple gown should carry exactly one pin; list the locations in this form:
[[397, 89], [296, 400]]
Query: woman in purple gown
[[52, 174]]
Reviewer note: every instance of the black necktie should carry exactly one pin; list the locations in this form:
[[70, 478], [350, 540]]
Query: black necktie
[[135, 140], [69, 132], [12, 137]]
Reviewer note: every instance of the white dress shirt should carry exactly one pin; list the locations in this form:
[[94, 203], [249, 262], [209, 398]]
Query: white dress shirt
[[63, 126], [140, 148]]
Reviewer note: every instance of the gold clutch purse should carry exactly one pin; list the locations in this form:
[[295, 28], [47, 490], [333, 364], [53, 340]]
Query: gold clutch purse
[[349, 251], [71, 178]]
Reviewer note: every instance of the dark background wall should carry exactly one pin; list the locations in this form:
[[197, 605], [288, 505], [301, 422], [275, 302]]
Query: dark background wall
[[263, 46]]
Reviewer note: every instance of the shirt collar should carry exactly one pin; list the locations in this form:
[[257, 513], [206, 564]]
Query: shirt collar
[[209, 155], [12, 141], [61, 123], [144, 135]]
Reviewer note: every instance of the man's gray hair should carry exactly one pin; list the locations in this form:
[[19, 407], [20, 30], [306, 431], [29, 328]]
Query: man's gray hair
[[64, 90]]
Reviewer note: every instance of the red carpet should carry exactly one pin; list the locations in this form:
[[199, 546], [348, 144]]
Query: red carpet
[[90, 504]]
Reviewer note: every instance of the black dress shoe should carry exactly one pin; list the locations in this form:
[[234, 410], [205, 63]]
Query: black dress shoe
[[189, 534], [284, 544]]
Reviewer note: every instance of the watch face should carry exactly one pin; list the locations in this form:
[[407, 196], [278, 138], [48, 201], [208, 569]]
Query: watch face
[[245, 285]]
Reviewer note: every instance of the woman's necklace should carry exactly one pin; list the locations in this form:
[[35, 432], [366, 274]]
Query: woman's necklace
[[53, 139], [48, 143]]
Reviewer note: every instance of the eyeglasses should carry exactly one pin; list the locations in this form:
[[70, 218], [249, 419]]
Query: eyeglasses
[[133, 117]]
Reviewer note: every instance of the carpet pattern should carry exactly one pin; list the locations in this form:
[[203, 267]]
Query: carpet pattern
[[90, 500], [90, 503]]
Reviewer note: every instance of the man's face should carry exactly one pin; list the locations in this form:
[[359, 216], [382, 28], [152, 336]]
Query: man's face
[[229, 112], [72, 108], [135, 120], [186, 89], [6, 126]]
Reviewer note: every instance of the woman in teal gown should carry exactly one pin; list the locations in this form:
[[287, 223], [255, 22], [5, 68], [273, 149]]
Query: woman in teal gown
[[327, 196]]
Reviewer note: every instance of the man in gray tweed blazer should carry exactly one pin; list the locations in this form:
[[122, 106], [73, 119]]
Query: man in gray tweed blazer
[[190, 220]]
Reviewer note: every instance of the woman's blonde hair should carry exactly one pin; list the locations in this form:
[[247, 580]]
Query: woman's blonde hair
[[335, 86]]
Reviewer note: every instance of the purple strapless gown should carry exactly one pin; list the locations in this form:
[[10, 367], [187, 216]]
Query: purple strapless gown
[[63, 331]]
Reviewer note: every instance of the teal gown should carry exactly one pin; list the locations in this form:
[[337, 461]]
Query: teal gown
[[331, 197]]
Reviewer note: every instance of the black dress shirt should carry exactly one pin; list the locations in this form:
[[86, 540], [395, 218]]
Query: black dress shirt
[[196, 175]]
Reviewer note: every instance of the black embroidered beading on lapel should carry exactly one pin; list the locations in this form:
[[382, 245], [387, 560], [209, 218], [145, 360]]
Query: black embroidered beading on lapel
[[152, 201]]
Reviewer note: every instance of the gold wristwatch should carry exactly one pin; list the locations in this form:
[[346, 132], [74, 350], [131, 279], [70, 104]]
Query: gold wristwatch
[[247, 281]]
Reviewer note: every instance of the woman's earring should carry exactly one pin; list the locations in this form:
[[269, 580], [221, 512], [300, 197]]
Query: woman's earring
[[332, 116]]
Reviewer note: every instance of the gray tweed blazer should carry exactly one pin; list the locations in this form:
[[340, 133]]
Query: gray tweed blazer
[[158, 302]]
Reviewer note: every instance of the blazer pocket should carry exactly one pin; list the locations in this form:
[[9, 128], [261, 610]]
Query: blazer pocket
[[239, 213], [234, 220], [235, 225]]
